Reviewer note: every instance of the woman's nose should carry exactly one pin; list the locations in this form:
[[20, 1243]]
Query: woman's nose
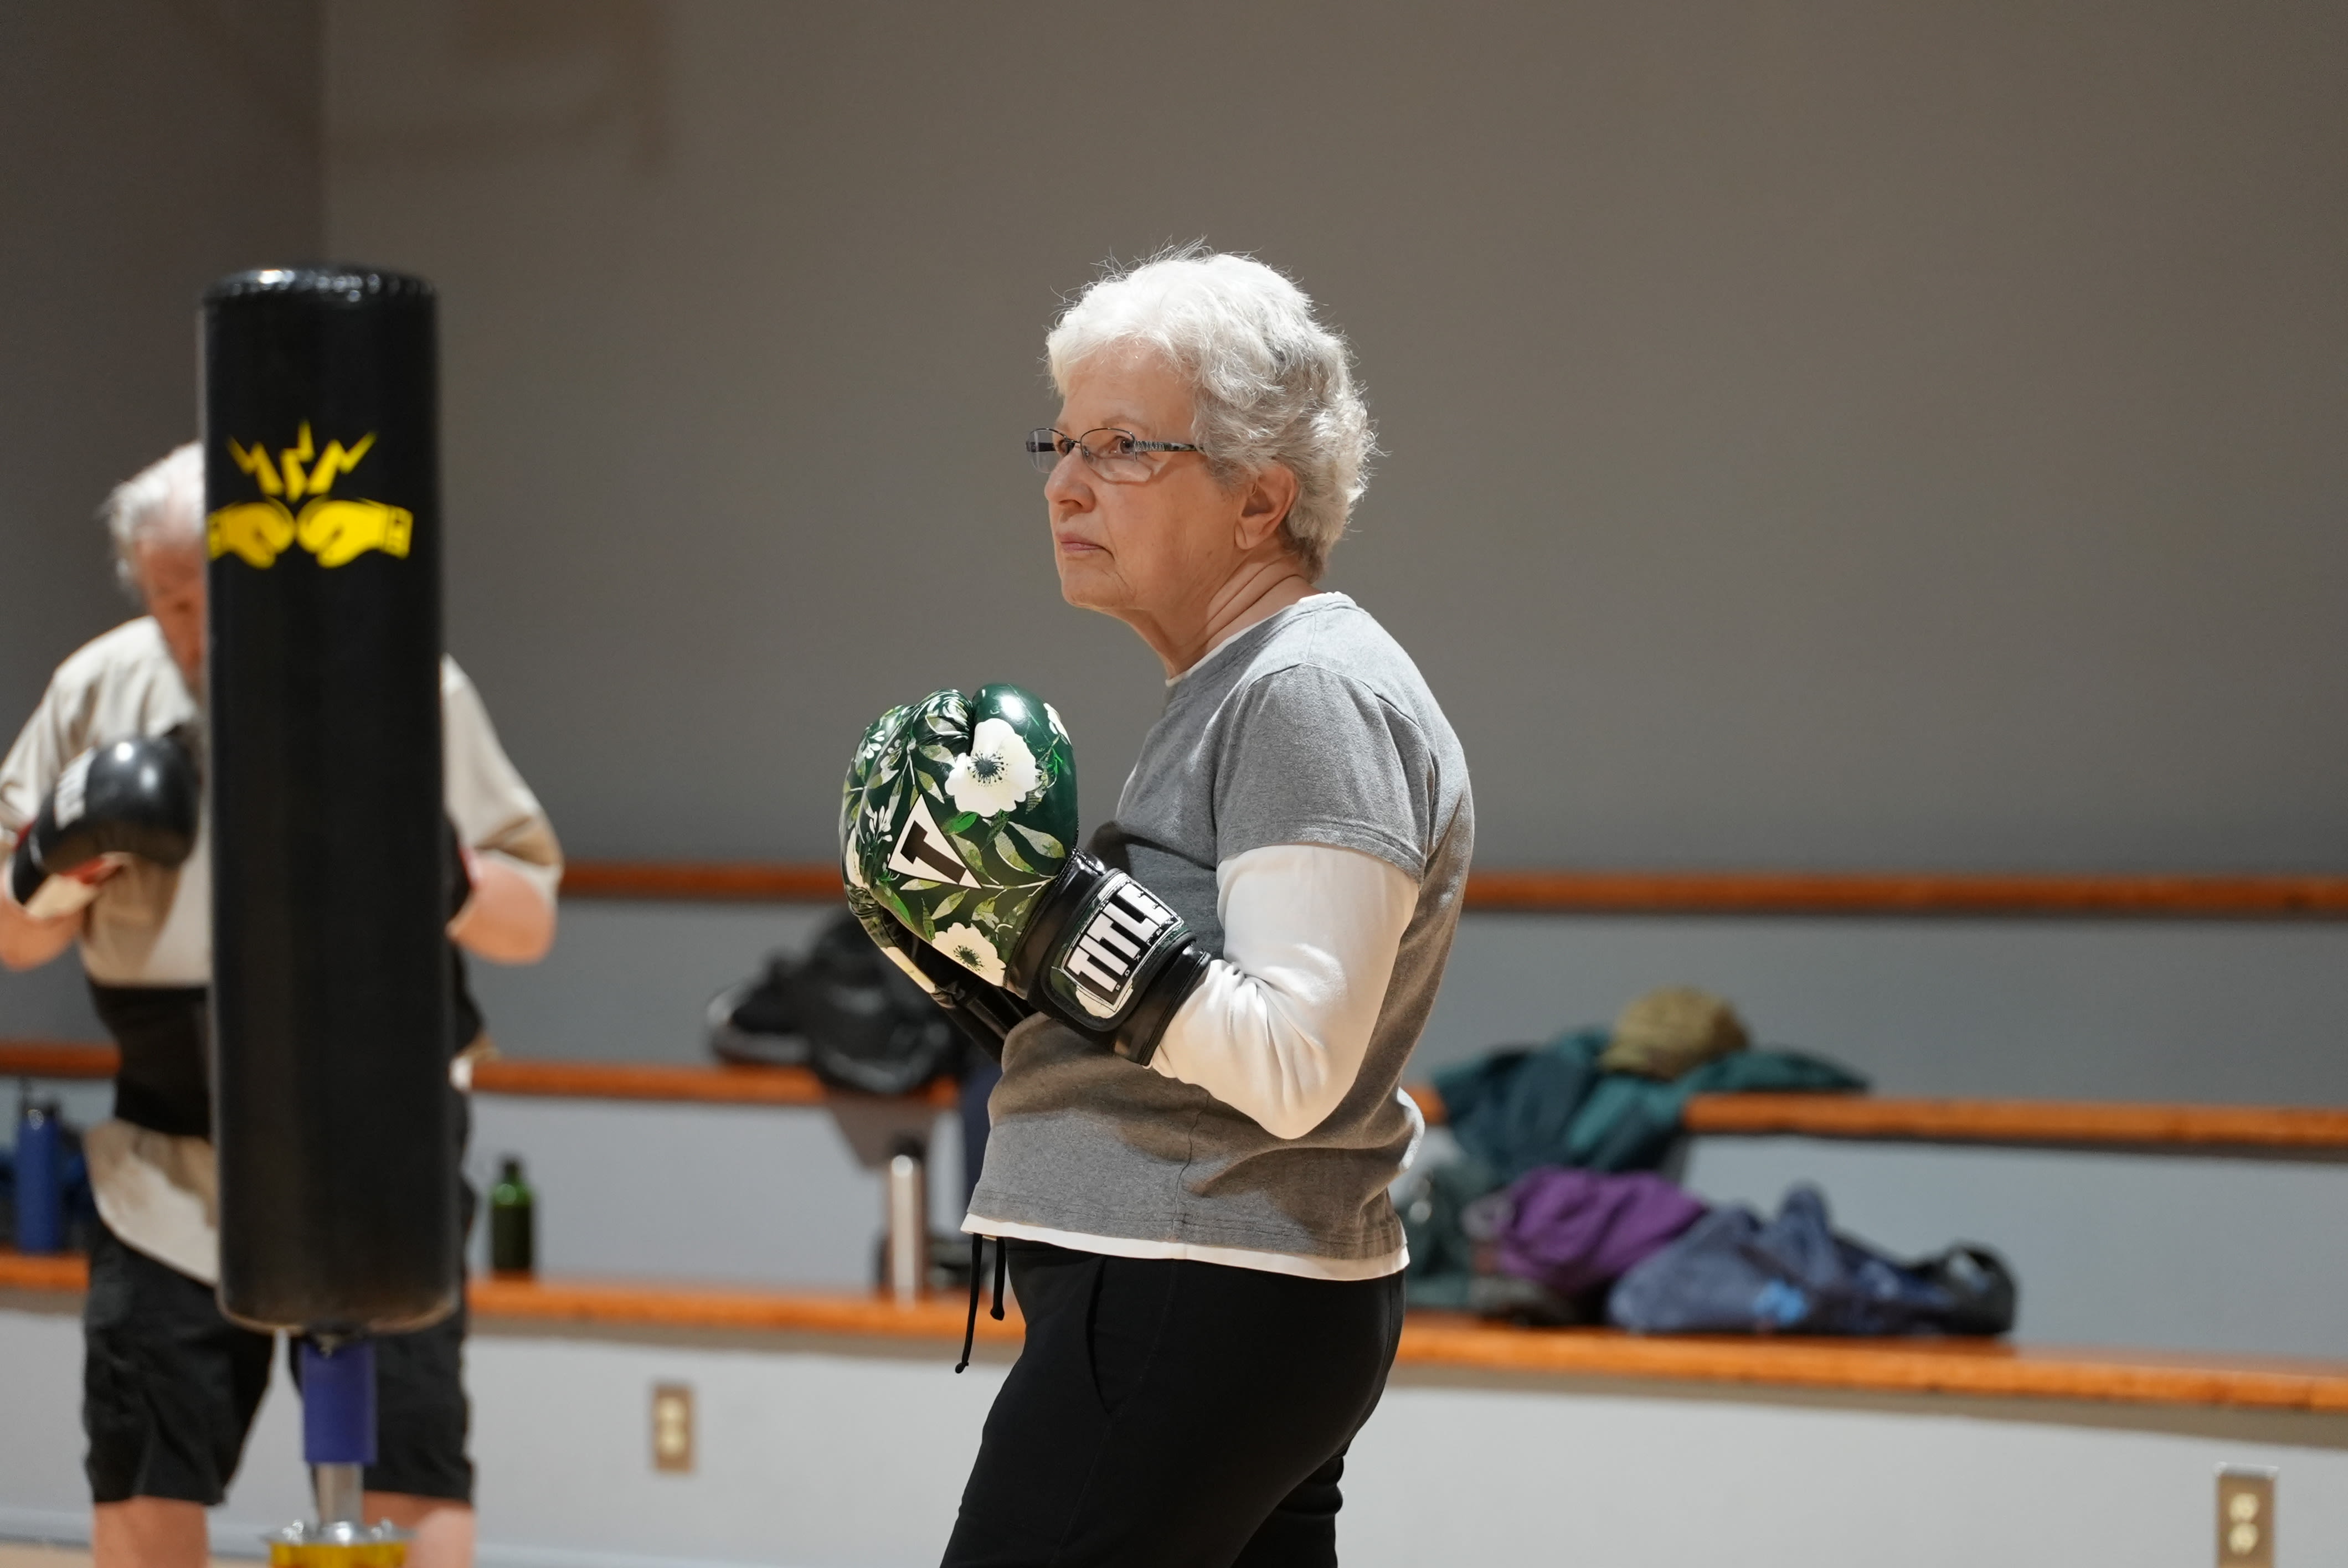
[[1068, 486]]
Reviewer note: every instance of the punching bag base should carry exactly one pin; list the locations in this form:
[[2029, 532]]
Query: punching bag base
[[339, 1546]]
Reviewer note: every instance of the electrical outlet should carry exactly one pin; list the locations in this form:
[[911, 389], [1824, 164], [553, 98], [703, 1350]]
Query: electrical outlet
[[673, 1428], [2246, 1519]]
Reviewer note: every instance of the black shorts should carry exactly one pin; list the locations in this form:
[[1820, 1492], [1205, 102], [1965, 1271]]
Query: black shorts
[[169, 1388]]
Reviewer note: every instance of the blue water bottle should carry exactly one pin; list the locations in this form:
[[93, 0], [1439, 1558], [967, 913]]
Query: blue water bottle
[[40, 1171]]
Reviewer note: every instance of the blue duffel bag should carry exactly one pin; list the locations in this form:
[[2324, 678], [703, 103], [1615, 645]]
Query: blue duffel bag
[[1732, 1274]]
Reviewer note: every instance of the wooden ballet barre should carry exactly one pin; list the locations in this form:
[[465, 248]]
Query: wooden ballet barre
[[1641, 893], [756, 881], [624, 1304], [2118, 1123], [2022, 1121], [57, 1059], [2042, 1121], [715, 1085], [1870, 894], [1981, 1368], [709, 1084], [1971, 1367]]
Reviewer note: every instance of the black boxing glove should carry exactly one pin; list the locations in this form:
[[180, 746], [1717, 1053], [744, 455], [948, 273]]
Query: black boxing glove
[[137, 797]]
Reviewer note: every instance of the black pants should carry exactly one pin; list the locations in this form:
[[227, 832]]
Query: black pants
[[1169, 1412]]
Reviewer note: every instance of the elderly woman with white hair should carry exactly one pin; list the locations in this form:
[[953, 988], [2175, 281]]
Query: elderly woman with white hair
[[1202, 1246]]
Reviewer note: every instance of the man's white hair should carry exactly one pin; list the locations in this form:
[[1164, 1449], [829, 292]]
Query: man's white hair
[[164, 498], [1269, 384]]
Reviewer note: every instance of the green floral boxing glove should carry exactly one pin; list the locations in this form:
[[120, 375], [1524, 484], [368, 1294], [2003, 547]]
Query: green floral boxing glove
[[962, 825], [984, 1013]]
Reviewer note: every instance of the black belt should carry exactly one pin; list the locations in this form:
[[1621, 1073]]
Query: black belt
[[164, 1033], [162, 1030]]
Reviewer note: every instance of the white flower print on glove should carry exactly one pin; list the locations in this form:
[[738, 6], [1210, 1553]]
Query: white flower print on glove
[[996, 773], [973, 951]]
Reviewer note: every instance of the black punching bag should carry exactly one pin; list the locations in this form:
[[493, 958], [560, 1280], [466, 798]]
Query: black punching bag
[[332, 1109]]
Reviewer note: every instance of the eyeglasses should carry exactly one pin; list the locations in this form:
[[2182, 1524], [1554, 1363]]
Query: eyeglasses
[[1119, 457]]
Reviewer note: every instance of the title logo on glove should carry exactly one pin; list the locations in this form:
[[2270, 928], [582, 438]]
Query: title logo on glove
[[1106, 954], [335, 531]]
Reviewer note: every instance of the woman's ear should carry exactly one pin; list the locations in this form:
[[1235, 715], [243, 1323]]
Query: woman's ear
[[1270, 496]]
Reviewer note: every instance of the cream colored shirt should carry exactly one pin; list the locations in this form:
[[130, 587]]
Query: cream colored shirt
[[151, 925]]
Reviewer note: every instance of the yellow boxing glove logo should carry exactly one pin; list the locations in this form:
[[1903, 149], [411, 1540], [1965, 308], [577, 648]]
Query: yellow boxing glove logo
[[254, 530], [337, 531], [340, 531]]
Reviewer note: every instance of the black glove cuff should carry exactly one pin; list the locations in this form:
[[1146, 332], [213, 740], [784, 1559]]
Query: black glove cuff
[[1137, 1041], [1106, 956], [1069, 896], [25, 872]]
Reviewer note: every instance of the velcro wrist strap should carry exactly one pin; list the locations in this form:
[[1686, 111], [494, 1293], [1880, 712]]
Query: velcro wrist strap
[[1100, 945], [1136, 1042]]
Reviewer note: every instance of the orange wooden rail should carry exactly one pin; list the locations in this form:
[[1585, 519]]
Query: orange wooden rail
[[756, 880], [1981, 1368], [2022, 1121], [710, 1084], [1990, 1369], [1726, 893], [1643, 893], [2063, 1121], [1812, 1115], [637, 1303], [57, 1058], [687, 1081]]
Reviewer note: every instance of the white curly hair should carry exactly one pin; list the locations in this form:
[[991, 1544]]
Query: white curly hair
[[1271, 384], [167, 496]]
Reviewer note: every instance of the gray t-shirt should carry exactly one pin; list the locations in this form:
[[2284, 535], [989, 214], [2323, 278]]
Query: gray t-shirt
[[1313, 727]]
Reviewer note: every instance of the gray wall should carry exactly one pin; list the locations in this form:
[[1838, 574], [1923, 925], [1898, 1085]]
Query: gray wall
[[146, 147], [1824, 435], [1832, 436]]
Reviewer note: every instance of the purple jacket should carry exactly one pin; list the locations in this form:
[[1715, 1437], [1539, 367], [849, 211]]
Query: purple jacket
[[1571, 1229]]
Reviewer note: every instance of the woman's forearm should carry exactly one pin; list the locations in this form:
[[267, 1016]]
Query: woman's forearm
[[26, 943], [1282, 1024], [507, 920]]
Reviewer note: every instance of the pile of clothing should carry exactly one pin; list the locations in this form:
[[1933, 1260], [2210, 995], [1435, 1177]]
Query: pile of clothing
[[1552, 1209]]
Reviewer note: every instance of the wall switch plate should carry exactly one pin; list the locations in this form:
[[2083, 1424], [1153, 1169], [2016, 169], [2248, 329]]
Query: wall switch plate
[[2245, 1518], [673, 1428]]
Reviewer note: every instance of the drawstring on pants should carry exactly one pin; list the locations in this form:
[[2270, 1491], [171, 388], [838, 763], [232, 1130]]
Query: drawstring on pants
[[970, 1324], [978, 1262]]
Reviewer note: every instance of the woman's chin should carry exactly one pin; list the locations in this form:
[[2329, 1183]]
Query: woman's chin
[[1086, 581]]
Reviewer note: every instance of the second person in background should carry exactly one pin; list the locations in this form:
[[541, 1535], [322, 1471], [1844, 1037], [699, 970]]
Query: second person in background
[[1202, 1246]]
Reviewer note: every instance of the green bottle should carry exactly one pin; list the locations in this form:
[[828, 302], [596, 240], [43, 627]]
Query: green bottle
[[513, 1232]]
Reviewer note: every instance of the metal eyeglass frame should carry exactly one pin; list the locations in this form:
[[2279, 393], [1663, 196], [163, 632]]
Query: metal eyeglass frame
[[1045, 440]]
